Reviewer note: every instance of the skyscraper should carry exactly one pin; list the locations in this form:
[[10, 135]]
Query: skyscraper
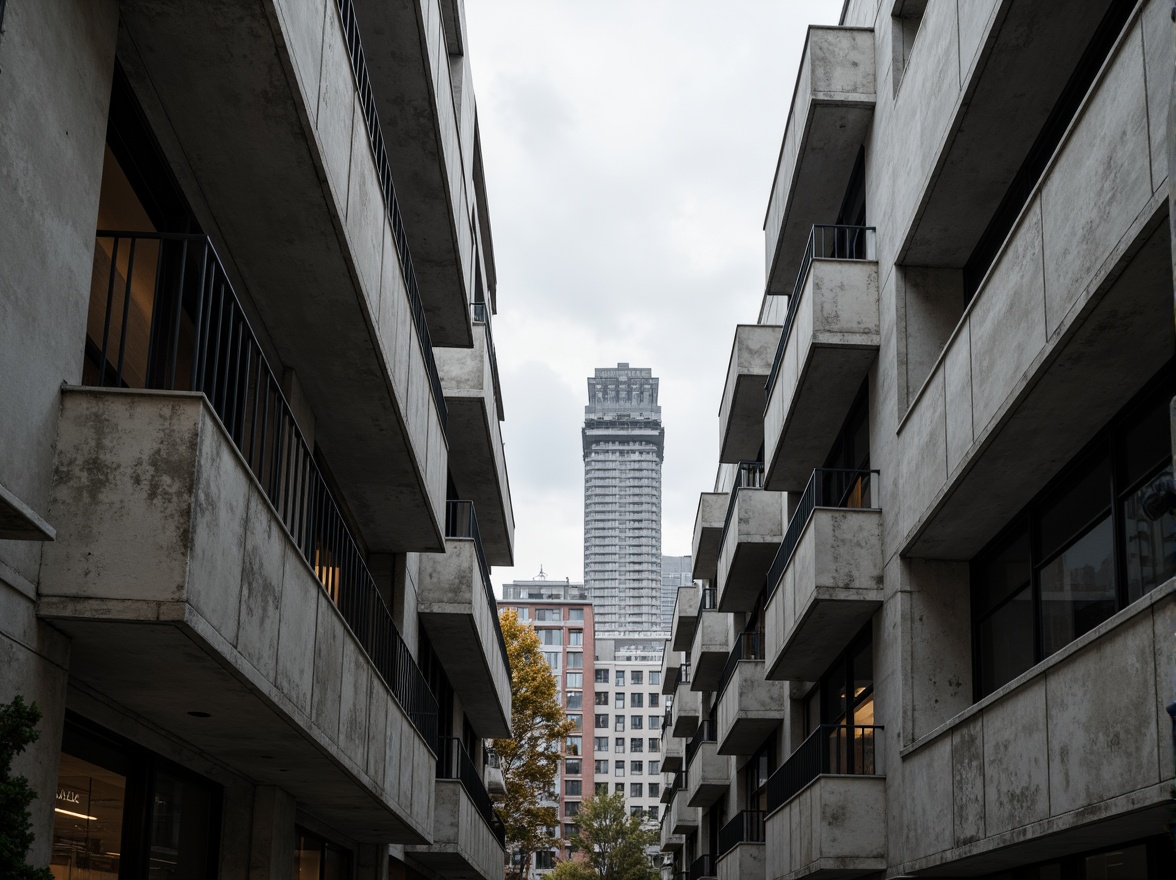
[[623, 447], [676, 571]]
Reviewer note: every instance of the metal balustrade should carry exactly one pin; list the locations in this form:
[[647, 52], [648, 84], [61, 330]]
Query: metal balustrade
[[827, 243], [748, 646], [704, 734], [750, 475], [454, 762], [746, 827], [709, 601], [461, 523], [703, 866], [831, 748], [189, 333], [827, 487]]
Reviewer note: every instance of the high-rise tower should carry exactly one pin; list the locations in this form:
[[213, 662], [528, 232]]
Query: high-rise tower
[[623, 447]]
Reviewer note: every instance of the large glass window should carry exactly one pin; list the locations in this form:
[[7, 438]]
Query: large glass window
[[600, 743], [602, 698], [547, 614], [601, 676], [318, 859], [575, 699], [576, 637], [1080, 551], [550, 636], [575, 660]]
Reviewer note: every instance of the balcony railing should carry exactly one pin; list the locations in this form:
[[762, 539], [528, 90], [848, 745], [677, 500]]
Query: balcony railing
[[709, 601], [680, 781], [827, 487], [461, 523], [748, 646], [831, 748], [171, 322], [703, 866], [828, 243], [454, 762], [750, 475], [746, 827], [371, 117], [704, 734]]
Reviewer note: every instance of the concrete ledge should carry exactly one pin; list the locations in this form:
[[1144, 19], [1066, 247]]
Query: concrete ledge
[[686, 712], [19, 522], [684, 819], [463, 845], [749, 709], [707, 776], [685, 617], [708, 651], [708, 532], [744, 861], [754, 530], [741, 415]]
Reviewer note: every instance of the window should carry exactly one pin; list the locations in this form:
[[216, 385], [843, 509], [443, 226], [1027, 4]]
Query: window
[[602, 698], [655, 744], [601, 767], [636, 745], [602, 676], [572, 787], [547, 614], [602, 787], [618, 788], [544, 860], [635, 789], [655, 790], [637, 700], [619, 722], [576, 637], [618, 768], [655, 677], [573, 745], [314, 857], [575, 699], [653, 699], [655, 722], [552, 658], [575, 614], [575, 679], [852, 673], [636, 811], [577, 722], [602, 723], [619, 745], [600, 743], [571, 808], [620, 679], [1059, 570], [524, 613], [618, 701], [550, 636], [636, 676], [636, 767], [636, 722], [653, 768], [572, 767], [575, 660]]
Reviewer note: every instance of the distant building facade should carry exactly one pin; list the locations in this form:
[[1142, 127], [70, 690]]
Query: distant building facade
[[677, 571]]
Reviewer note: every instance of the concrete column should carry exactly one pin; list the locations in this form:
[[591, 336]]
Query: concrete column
[[371, 861], [271, 853]]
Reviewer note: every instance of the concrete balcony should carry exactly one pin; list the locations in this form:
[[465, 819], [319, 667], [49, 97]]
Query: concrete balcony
[[749, 707], [672, 670], [468, 838], [685, 618], [685, 712], [708, 534], [707, 772], [829, 340], [670, 842], [709, 651], [344, 316], [673, 749], [684, 819], [477, 458], [832, 108], [278, 653], [457, 608], [752, 531], [826, 580], [741, 415], [742, 853]]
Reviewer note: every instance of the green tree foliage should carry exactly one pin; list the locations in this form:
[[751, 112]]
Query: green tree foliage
[[530, 760], [573, 869], [18, 728], [613, 843]]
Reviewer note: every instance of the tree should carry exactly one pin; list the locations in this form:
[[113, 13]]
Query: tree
[[572, 869], [612, 841], [530, 760], [18, 728]]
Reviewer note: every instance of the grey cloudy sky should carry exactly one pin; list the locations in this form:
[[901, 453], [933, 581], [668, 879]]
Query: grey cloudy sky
[[629, 151]]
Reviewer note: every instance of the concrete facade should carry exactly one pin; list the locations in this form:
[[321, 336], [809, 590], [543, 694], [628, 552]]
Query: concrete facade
[[964, 682], [214, 562]]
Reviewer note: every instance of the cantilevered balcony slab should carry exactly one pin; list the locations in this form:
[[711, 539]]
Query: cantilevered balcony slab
[[709, 650], [672, 663], [686, 712], [707, 776], [755, 525], [672, 751], [182, 591], [750, 707], [832, 108], [684, 819], [457, 610], [19, 522], [464, 845], [801, 842], [670, 842], [708, 533], [746, 860], [741, 415], [828, 591], [477, 458], [685, 617], [830, 345]]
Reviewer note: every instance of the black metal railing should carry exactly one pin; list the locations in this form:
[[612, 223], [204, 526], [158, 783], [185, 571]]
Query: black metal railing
[[189, 333], [708, 601], [831, 748], [827, 487], [746, 827], [371, 116], [704, 734], [750, 475], [748, 646], [481, 314], [703, 866], [461, 523], [454, 762], [826, 243], [679, 783]]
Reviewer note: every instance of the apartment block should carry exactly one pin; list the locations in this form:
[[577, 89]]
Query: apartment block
[[251, 473], [676, 571], [933, 635]]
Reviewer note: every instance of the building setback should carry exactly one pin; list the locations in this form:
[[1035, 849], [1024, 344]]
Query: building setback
[[246, 368], [934, 633]]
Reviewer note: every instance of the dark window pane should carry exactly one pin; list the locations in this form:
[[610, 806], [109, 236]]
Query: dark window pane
[[181, 822], [87, 820], [1005, 573], [1078, 588], [1006, 642], [1151, 547], [863, 671], [1146, 440], [1077, 503]]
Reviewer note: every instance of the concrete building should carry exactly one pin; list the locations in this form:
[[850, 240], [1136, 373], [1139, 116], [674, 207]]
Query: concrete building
[[624, 442], [935, 633], [676, 571], [250, 405], [562, 616]]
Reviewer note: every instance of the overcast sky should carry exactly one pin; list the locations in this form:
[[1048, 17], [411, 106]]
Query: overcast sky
[[629, 151]]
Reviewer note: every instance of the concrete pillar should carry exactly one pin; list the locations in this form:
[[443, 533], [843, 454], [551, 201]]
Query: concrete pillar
[[371, 861], [271, 853]]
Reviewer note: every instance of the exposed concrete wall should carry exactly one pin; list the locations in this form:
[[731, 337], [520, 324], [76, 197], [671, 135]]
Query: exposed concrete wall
[[745, 862], [749, 708], [462, 842]]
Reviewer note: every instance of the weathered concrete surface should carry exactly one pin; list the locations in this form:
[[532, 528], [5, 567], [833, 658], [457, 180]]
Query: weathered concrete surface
[[684, 819], [463, 844], [832, 343], [477, 457], [741, 414], [216, 593], [685, 617], [749, 708], [670, 842], [708, 651], [827, 123], [671, 663], [829, 590], [461, 622], [754, 529], [707, 776], [326, 280], [744, 861], [708, 532], [835, 827], [686, 711], [673, 751]]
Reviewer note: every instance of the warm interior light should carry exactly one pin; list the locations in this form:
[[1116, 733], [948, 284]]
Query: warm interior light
[[75, 815]]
